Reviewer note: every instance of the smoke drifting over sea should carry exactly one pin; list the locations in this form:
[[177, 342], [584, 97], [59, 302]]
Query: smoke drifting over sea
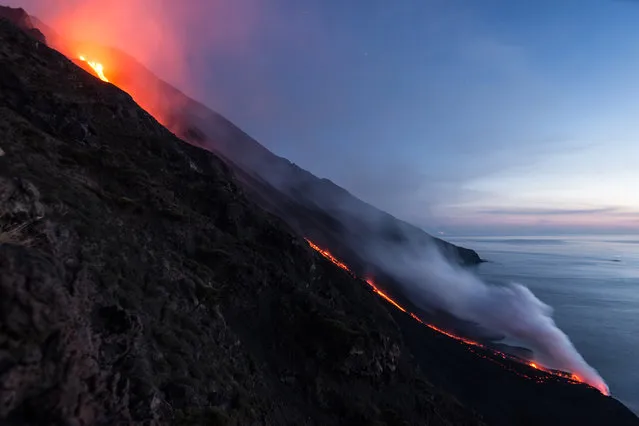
[[432, 282]]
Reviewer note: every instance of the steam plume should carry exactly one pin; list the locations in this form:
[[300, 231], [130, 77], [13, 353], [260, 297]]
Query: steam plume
[[433, 282]]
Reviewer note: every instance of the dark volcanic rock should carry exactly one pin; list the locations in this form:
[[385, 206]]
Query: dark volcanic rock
[[139, 285], [22, 19]]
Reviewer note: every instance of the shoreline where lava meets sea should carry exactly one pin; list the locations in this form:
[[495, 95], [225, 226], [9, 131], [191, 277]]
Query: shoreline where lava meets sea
[[543, 373]]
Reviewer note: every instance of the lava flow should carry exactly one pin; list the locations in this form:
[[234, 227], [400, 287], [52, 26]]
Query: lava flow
[[470, 343], [96, 66]]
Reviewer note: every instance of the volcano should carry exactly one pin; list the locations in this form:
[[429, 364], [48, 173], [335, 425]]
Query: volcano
[[314, 206], [144, 280]]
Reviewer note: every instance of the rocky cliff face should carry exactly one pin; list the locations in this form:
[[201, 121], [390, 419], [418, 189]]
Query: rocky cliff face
[[139, 285]]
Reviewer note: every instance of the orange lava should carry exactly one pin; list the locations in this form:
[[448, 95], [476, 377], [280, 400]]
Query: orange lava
[[384, 295], [570, 377], [328, 255], [97, 67]]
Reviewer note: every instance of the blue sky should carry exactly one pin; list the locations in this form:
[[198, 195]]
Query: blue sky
[[492, 116]]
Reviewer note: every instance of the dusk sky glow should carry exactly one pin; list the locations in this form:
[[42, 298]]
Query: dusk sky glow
[[463, 116]]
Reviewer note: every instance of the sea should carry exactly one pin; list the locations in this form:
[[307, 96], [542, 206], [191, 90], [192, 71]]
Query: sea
[[592, 283]]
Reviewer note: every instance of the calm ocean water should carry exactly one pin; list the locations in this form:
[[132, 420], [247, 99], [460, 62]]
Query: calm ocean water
[[592, 282]]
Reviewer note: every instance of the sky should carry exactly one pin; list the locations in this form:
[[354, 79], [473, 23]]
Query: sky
[[460, 116]]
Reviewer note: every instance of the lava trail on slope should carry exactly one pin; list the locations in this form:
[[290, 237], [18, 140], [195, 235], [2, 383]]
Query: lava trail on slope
[[537, 372]]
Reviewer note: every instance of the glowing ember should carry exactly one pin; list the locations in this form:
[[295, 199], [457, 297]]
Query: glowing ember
[[571, 377], [97, 67]]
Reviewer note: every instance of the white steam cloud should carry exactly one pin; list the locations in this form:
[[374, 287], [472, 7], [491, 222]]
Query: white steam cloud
[[433, 282]]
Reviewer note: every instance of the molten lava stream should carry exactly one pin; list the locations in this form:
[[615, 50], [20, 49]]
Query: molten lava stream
[[567, 376], [96, 66]]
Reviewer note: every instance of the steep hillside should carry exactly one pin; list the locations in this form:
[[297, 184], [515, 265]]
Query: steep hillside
[[137, 281], [311, 205]]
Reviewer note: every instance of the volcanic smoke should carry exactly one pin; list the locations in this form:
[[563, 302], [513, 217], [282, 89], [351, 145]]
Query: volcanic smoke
[[432, 282]]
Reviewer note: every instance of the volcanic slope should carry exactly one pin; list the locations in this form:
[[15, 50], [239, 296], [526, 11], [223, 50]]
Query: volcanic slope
[[138, 283], [317, 208]]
